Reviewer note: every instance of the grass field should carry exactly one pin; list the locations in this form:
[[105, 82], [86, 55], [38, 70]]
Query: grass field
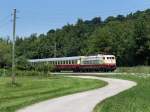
[[34, 89], [136, 69], [136, 99]]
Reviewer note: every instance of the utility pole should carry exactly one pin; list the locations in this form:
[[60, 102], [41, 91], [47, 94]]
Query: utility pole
[[13, 47]]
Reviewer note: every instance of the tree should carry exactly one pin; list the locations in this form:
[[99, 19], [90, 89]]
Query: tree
[[22, 63], [142, 40], [5, 54]]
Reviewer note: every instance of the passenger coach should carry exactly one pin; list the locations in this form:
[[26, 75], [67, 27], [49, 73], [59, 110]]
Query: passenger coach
[[81, 63]]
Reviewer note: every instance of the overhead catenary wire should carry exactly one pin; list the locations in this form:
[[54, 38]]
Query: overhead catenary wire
[[5, 23], [5, 18]]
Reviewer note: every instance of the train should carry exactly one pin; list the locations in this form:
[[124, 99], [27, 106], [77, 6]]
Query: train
[[95, 63]]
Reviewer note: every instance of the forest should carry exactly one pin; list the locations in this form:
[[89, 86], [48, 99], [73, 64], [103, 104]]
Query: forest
[[126, 37]]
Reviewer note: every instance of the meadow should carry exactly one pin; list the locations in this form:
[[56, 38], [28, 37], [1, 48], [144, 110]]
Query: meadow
[[136, 99], [135, 69], [32, 89]]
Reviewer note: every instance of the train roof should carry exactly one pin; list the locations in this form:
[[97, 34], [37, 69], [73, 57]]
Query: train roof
[[55, 59], [69, 58]]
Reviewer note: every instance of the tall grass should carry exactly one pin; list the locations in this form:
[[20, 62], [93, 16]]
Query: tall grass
[[7, 72]]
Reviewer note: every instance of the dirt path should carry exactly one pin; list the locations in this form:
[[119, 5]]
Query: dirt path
[[84, 101]]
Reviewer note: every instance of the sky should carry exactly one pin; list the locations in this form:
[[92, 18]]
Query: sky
[[39, 16]]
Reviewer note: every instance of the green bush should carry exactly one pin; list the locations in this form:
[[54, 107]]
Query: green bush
[[43, 67], [5, 72]]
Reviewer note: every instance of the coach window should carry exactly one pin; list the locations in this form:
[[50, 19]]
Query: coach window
[[64, 61], [73, 61], [87, 62], [91, 61], [68, 61]]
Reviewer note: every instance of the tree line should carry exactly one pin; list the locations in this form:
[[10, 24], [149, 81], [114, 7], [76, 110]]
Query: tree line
[[126, 37]]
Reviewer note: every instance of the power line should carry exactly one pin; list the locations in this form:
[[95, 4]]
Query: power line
[[5, 18], [4, 24]]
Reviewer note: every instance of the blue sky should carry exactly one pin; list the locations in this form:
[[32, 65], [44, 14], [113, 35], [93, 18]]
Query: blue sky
[[42, 15]]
